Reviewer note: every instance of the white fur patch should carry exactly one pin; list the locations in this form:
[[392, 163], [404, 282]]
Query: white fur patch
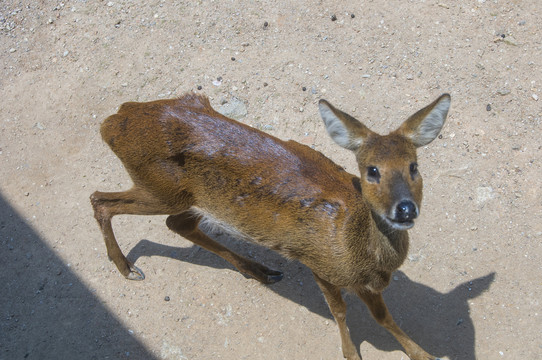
[[211, 225], [336, 129], [433, 122]]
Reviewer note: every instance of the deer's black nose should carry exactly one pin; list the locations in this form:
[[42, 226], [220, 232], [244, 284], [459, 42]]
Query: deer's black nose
[[406, 211]]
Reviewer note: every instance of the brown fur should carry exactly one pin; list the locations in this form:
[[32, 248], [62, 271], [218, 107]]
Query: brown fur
[[189, 162]]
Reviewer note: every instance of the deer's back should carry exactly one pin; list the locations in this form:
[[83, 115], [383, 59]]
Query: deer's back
[[263, 187]]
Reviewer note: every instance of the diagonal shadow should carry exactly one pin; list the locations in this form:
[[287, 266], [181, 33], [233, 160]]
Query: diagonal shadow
[[439, 322], [45, 310]]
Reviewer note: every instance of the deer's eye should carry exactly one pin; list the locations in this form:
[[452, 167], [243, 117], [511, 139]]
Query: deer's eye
[[373, 174], [413, 169]]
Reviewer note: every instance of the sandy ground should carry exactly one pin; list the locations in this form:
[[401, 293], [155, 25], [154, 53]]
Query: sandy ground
[[471, 286]]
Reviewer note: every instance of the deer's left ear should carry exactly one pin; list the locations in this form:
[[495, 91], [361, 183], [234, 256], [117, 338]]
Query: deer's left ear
[[425, 125], [344, 129]]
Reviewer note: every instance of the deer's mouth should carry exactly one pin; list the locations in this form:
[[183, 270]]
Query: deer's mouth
[[399, 225]]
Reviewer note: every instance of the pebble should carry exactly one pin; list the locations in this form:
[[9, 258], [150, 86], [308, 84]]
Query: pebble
[[333, 17], [235, 109], [488, 107], [199, 87], [535, 97], [503, 92], [484, 194], [265, 24], [166, 298], [12, 50]]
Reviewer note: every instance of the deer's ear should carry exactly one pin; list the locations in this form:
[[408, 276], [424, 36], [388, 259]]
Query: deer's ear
[[343, 128], [425, 125]]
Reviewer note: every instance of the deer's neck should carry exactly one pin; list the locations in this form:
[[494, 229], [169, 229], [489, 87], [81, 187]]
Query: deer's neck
[[392, 243]]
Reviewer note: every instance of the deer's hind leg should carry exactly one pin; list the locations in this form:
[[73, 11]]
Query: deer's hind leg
[[133, 202], [186, 225]]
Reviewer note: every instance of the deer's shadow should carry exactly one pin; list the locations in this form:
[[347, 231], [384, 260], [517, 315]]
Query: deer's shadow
[[439, 322]]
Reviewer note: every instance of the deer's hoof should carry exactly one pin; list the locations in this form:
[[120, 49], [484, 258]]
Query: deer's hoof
[[135, 273], [274, 276]]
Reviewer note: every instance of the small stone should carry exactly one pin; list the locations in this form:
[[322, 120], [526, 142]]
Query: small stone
[[535, 97], [265, 25], [484, 194], [12, 50], [199, 87], [232, 58], [352, 16], [166, 298], [410, 77], [503, 92], [39, 126], [304, 88], [66, 53], [26, 193], [265, 84], [333, 17], [50, 21], [235, 109], [488, 107], [365, 76]]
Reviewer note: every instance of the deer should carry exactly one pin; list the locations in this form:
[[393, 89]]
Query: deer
[[201, 168]]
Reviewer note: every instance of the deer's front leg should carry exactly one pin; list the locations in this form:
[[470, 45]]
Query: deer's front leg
[[379, 310], [337, 306]]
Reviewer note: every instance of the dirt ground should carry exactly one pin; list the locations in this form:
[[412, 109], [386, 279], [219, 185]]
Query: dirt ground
[[471, 286]]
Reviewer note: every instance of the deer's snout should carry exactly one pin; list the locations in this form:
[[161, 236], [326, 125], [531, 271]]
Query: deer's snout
[[406, 211]]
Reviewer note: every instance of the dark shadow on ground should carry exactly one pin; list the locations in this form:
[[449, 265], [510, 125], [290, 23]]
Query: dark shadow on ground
[[45, 311], [439, 322]]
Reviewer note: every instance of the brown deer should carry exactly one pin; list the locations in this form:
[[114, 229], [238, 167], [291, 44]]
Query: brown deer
[[196, 165]]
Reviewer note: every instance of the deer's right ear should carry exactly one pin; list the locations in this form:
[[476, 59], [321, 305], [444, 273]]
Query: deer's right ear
[[425, 125], [343, 128]]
